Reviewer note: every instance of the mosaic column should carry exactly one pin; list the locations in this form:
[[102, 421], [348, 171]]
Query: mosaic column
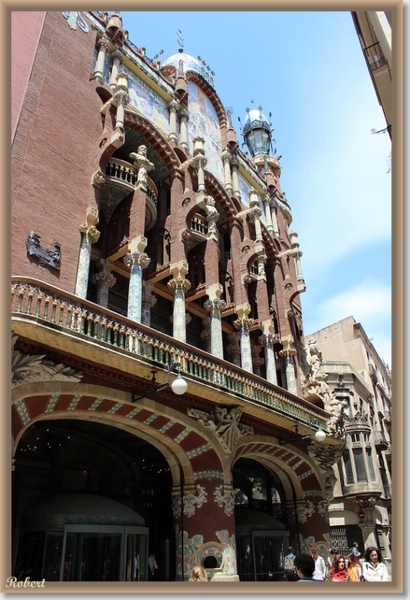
[[103, 45], [120, 98], [205, 334], [136, 262], [255, 213], [243, 323], [257, 361], [89, 235], [104, 280], [192, 503], [234, 351], [200, 162], [288, 353], [226, 158], [179, 285], [215, 307], [268, 215], [274, 220], [268, 341], [173, 106], [294, 241], [235, 176], [117, 59], [183, 129], [148, 301]]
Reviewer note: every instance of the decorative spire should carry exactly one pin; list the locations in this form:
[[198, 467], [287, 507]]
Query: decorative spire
[[180, 41]]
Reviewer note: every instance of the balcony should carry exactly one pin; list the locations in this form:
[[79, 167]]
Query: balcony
[[51, 316], [374, 57], [120, 180]]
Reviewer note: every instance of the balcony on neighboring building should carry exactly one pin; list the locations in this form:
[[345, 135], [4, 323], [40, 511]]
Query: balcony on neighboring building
[[374, 57]]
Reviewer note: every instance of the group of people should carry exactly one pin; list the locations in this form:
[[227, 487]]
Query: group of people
[[312, 567]]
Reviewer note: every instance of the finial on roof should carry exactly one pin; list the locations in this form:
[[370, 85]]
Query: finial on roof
[[180, 41]]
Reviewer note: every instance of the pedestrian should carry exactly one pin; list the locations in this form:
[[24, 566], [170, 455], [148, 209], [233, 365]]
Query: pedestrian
[[320, 566], [305, 567], [152, 567], [198, 573], [374, 568], [330, 559], [355, 550], [354, 568], [136, 567], [289, 566], [339, 572]]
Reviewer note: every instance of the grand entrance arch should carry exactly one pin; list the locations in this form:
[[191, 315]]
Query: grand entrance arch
[[87, 498]]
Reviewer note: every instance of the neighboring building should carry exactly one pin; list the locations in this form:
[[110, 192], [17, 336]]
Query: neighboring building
[[361, 509], [375, 36], [146, 244]]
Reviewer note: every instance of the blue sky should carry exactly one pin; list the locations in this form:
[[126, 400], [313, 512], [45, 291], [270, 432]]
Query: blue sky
[[308, 70]]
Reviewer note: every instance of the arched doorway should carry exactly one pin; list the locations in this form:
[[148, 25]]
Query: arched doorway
[[99, 465], [261, 530], [82, 537]]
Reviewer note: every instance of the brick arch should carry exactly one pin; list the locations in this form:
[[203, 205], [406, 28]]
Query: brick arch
[[176, 436], [293, 467], [154, 137]]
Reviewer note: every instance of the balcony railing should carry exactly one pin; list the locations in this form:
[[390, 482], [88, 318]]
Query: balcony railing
[[32, 300], [125, 175], [374, 56], [199, 224]]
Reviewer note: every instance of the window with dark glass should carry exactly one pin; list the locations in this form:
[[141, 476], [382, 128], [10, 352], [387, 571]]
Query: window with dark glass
[[349, 477], [360, 464], [370, 464]]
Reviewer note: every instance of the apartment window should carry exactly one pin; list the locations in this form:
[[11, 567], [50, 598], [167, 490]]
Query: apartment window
[[370, 464], [349, 478], [360, 464]]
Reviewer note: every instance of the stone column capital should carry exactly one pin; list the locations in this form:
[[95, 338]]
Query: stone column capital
[[179, 283], [103, 277], [117, 54], [104, 42], [90, 233], [136, 259], [149, 300], [215, 305]]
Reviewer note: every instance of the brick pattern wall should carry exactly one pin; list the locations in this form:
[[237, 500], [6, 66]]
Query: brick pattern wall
[[54, 149]]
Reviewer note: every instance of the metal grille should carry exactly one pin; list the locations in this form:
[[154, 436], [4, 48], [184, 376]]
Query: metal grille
[[343, 538]]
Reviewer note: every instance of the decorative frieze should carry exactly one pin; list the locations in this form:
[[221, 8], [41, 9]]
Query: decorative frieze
[[225, 423]]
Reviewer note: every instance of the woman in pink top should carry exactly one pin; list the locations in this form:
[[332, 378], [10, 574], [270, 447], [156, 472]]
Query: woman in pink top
[[339, 572]]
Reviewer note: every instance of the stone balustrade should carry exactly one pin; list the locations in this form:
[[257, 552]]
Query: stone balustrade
[[52, 307], [126, 175]]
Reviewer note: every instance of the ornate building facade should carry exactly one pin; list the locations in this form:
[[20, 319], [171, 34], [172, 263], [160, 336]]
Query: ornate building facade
[[163, 397], [358, 378]]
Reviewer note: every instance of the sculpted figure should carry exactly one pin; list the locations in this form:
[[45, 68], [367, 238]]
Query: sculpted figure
[[212, 216], [142, 163], [313, 358]]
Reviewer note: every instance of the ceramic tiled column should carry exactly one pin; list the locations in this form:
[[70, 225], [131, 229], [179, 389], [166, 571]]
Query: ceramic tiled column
[[242, 324], [89, 235], [136, 262], [179, 285]]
